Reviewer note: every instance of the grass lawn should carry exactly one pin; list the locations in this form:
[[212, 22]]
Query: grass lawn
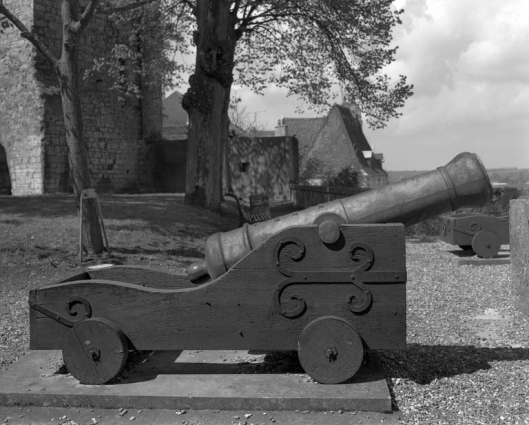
[[467, 360], [39, 242]]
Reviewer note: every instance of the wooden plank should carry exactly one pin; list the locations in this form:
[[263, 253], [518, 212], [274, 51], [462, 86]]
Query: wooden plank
[[211, 318], [141, 276]]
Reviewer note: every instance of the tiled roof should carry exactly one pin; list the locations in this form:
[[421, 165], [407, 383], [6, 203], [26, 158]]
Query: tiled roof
[[374, 170], [305, 129], [173, 113], [354, 129]]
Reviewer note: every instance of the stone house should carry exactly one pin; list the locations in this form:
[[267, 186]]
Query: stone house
[[266, 162], [338, 142], [117, 131]]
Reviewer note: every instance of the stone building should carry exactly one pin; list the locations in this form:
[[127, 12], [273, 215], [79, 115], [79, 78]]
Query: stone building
[[117, 130], [338, 141]]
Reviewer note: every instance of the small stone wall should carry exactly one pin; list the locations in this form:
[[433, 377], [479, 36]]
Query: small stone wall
[[263, 166], [310, 196], [20, 106], [519, 246]]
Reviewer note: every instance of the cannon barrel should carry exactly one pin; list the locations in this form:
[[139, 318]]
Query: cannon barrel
[[463, 182]]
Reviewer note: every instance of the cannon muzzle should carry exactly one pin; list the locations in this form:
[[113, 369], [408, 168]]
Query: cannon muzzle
[[463, 182]]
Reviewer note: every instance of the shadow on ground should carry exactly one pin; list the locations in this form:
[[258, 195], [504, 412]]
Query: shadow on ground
[[122, 212], [153, 207], [424, 363], [39, 206], [181, 252], [150, 365], [166, 364]]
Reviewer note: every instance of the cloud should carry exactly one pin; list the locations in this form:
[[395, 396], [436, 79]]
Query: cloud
[[471, 77]]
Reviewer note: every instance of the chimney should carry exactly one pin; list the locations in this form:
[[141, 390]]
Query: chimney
[[281, 129]]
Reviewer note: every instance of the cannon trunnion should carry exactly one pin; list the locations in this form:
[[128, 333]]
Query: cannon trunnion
[[324, 290]]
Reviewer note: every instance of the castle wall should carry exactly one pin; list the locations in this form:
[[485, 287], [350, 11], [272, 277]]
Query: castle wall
[[114, 126], [21, 106]]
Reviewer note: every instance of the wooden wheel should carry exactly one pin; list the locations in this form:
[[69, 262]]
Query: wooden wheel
[[486, 244], [95, 351], [330, 350]]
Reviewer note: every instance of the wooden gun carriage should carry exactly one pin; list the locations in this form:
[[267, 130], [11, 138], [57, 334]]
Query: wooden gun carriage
[[329, 282], [480, 233]]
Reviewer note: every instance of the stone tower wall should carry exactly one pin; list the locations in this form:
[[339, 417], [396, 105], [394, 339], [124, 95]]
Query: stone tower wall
[[21, 106], [113, 126]]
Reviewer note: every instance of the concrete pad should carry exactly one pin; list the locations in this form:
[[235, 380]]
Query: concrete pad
[[464, 258], [198, 380]]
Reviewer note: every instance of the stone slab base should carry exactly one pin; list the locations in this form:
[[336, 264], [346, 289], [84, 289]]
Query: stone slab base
[[460, 258], [199, 380]]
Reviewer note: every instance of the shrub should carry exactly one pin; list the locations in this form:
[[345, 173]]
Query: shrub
[[345, 178], [311, 168], [501, 197], [427, 230]]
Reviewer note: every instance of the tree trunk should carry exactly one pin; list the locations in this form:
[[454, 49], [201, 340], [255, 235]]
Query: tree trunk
[[207, 102], [227, 171], [68, 74]]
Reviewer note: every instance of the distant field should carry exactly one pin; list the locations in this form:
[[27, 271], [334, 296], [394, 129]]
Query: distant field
[[515, 177]]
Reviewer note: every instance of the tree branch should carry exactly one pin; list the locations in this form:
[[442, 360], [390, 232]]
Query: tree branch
[[191, 5], [125, 8], [27, 34], [271, 14], [236, 6], [88, 13]]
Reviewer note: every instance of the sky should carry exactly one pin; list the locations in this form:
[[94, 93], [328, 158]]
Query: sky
[[469, 64]]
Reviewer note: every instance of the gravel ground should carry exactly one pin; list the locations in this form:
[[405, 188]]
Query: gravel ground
[[467, 360]]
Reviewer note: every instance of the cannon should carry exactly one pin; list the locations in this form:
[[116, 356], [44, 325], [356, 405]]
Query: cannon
[[329, 282], [474, 232], [462, 182]]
